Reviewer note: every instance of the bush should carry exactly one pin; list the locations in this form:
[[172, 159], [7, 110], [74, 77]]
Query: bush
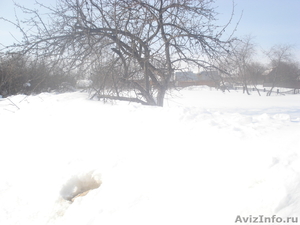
[[20, 75]]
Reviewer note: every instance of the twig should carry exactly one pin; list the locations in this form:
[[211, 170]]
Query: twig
[[24, 98], [9, 110], [12, 103]]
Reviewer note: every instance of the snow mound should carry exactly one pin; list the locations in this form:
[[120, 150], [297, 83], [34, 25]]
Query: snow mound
[[207, 157], [80, 185]]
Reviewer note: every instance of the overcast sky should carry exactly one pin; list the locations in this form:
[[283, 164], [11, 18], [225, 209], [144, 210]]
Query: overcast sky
[[270, 22]]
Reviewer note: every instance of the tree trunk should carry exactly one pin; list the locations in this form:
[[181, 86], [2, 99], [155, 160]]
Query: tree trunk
[[160, 96], [257, 90], [247, 90], [270, 91]]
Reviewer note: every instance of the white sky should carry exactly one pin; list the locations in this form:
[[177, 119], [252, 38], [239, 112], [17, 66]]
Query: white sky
[[270, 22]]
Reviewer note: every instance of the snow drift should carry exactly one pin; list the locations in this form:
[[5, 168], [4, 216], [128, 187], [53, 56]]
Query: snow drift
[[205, 158]]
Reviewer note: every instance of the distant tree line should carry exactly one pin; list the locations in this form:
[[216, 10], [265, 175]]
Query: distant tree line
[[241, 68]]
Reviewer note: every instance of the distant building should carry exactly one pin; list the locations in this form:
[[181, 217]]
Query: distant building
[[209, 75], [188, 78], [267, 75], [272, 78]]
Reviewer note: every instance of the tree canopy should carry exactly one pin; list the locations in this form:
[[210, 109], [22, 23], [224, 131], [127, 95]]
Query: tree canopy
[[130, 47]]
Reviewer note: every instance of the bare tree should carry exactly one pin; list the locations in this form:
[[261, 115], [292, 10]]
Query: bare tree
[[241, 58], [140, 43], [255, 71], [279, 56]]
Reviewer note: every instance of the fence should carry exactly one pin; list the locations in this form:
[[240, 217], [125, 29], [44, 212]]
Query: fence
[[209, 83], [285, 84]]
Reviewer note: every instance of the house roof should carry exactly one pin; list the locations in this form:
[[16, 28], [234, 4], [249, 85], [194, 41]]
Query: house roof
[[267, 72]]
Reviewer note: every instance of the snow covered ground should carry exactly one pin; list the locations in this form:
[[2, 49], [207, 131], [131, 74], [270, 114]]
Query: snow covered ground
[[207, 157]]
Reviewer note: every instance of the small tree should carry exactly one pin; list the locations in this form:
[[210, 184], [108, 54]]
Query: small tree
[[139, 43], [280, 57], [255, 71], [241, 58]]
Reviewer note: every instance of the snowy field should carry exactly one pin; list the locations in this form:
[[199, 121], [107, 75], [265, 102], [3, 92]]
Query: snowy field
[[207, 157]]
